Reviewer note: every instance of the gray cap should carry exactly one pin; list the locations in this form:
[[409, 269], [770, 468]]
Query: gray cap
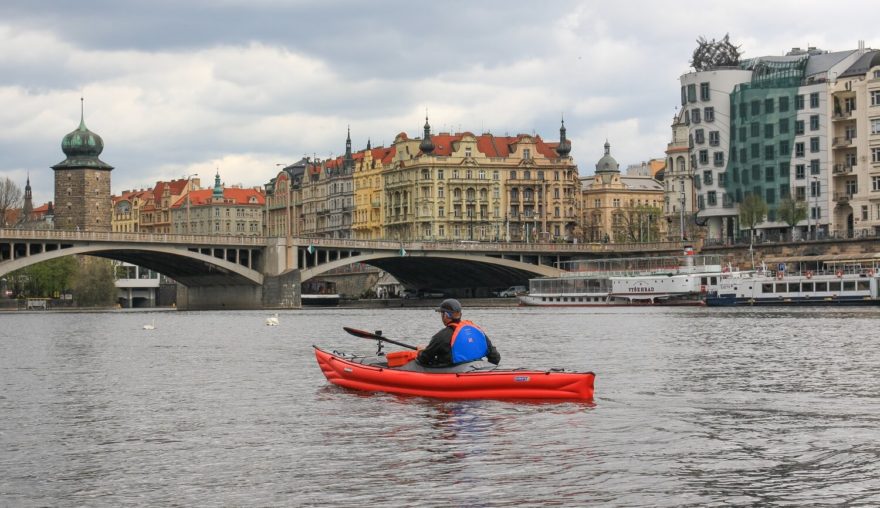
[[449, 305]]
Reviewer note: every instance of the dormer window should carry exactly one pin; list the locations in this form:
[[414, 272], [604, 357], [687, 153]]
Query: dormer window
[[467, 151], [527, 154]]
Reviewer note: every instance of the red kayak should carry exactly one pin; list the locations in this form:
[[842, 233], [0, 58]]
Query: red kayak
[[473, 380]]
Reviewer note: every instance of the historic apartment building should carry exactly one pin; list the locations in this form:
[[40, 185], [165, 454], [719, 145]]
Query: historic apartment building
[[678, 202], [620, 208], [767, 126], [233, 211], [368, 215], [466, 187], [82, 183]]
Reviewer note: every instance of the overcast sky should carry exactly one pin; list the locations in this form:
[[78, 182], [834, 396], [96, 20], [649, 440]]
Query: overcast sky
[[176, 87]]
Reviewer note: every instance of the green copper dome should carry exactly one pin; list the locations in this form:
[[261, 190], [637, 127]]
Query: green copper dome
[[82, 148], [82, 142]]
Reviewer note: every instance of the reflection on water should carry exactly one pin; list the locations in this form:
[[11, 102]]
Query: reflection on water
[[693, 407]]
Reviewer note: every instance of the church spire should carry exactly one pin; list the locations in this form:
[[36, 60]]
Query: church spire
[[427, 146], [564, 147], [218, 187]]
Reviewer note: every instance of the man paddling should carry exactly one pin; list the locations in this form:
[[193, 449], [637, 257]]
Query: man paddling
[[458, 342]]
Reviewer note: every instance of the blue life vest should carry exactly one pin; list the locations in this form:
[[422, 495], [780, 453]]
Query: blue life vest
[[468, 343]]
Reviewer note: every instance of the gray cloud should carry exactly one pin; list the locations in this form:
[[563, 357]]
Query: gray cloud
[[180, 87]]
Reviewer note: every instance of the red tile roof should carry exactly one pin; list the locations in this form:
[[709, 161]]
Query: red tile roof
[[236, 195]]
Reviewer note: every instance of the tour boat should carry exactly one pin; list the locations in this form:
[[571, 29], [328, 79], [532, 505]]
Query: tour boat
[[473, 380], [843, 284], [319, 293], [661, 280]]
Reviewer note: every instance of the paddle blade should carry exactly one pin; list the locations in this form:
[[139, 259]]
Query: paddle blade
[[367, 335]]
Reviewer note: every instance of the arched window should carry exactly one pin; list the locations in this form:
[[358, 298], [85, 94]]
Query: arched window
[[471, 195], [456, 194], [527, 175], [527, 194], [484, 194], [514, 194]]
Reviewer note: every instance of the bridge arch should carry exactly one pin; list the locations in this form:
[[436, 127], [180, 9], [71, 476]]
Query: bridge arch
[[187, 267], [443, 270]]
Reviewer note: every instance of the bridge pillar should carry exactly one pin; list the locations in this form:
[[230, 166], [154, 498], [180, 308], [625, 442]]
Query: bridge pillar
[[282, 291], [240, 297]]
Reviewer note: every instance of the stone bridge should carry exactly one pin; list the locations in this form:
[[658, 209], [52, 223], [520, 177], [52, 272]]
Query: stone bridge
[[253, 272]]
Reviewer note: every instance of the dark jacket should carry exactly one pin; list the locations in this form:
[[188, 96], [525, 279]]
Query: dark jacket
[[438, 353]]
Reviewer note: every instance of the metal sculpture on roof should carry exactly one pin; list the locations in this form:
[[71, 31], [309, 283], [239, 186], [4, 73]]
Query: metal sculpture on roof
[[713, 54]]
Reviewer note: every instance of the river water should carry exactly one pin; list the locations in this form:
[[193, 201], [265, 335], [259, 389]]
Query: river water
[[693, 407]]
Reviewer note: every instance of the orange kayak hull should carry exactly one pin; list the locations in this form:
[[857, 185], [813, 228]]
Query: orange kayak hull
[[499, 384]]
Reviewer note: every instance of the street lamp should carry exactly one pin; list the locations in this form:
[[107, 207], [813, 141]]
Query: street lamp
[[289, 218], [815, 191], [682, 201], [188, 200]]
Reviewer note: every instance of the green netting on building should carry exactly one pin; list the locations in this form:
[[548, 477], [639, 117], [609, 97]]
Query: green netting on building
[[763, 125]]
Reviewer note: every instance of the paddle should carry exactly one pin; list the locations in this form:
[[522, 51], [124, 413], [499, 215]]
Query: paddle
[[367, 335]]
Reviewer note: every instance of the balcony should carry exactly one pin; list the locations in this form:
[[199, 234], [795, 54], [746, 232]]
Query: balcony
[[843, 141], [842, 169], [842, 115], [842, 198]]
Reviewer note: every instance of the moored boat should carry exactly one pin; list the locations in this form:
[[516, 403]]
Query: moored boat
[[825, 285], [661, 280], [473, 380]]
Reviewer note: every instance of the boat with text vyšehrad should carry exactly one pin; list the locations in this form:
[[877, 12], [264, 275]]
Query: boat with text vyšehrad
[[660, 280], [472, 380], [799, 283]]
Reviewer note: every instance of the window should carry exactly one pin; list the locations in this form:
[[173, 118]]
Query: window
[[814, 167], [814, 145], [799, 149], [455, 174], [707, 177], [699, 137], [756, 129], [756, 173], [783, 126], [849, 104], [768, 130], [769, 174], [439, 174], [768, 105], [799, 127], [875, 126], [704, 91], [742, 110], [440, 192], [770, 196], [709, 114], [722, 178], [784, 148], [683, 96], [783, 104], [742, 133], [814, 100], [875, 98], [704, 156], [711, 198], [692, 93], [783, 169], [800, 193], [441, 212], [527, 153], [864, 212], [815, 189], [875, 155], [875, 183], [718, 158], [756, 108], [714, 138], [467, 151], [798, 102], [756, 150], [695, 115], [814, 122]]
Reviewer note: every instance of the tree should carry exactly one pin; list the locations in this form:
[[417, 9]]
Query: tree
[[10, 199], [752, 211], [47, 279], [639, 223], [791, 212], [95, 283]]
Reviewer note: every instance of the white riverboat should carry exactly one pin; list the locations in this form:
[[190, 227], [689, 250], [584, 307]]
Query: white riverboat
[[836, 283], [661, 280]]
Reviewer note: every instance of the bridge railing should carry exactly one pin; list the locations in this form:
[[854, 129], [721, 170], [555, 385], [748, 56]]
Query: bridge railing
[[491, 246], [98, 236]]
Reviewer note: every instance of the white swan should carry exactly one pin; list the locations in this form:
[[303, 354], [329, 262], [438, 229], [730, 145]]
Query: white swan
[[272, 320], [151, 326]]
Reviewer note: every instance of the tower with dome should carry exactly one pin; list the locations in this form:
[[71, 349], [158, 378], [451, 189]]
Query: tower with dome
[[82, 182]]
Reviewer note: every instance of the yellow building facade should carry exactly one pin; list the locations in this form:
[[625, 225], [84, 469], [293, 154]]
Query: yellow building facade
[[619, 208]]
